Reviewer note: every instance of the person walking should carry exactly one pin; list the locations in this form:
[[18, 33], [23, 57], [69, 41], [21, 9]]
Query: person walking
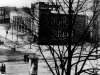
[[3, 68], [25, 57]]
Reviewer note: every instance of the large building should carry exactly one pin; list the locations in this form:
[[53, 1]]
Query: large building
[[4, 18], [20, 20], [16, 21], [95, 29], [14, 16], [52, 28], [45, 26]]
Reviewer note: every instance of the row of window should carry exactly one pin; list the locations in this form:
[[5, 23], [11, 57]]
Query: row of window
[[21, 20], [58, 22], [4, 16], [1, 12], [20, 28], [4, 19], [5, 13], [58, 33], [22, 24]]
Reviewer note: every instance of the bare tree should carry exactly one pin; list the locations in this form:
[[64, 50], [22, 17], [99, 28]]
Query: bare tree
[[73, 59], [69, 58]]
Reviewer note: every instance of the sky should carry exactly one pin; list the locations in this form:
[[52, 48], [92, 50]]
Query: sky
[[17, 3]]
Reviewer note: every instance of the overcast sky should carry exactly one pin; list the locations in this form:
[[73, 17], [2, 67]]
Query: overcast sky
[[17, 3]]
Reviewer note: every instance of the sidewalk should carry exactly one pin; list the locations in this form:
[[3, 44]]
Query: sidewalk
[[16, 66], [22, 68]]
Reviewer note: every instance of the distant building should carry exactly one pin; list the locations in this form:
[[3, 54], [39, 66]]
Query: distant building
[[16, 22], [95, 30], [20, 20], [4, 18], [52, 28], [16, 18]]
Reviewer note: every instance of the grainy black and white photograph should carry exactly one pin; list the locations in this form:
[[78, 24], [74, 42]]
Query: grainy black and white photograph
[[49, 37]]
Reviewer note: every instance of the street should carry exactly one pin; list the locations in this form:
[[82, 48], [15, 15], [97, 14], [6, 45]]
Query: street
[[16, 68], [15, 64], [22, 68]]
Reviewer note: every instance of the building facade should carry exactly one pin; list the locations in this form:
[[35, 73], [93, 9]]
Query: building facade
[[15, 17], [20, 21], [52, 28], [16, 21], [95, 32], [4, 18]]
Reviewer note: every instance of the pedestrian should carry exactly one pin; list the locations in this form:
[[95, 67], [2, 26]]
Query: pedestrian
[[25, 57], [3, 68]]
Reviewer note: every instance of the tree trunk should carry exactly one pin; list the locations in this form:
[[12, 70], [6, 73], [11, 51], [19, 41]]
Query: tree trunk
[[69, 39]]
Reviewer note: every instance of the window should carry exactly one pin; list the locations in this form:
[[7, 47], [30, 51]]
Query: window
[[2, 12]]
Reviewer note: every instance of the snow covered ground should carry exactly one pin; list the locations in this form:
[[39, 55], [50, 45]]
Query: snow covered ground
[[20, 67]]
